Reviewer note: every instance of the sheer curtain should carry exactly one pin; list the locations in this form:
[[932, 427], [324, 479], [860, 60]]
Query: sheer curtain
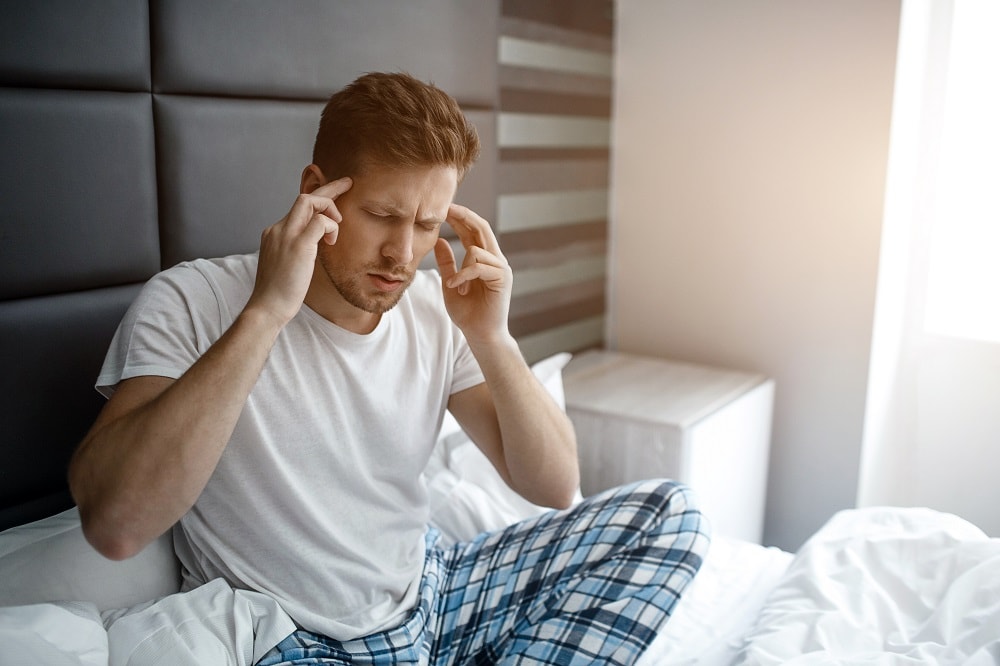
[[932, 430]]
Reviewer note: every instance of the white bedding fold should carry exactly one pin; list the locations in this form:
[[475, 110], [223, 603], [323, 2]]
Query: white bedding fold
[[885, 586], [212, 624]]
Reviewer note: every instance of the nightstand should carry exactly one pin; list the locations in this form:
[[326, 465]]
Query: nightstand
[[638, 417]]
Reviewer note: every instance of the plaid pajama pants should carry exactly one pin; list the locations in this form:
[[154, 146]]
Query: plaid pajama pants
[[589, 585]]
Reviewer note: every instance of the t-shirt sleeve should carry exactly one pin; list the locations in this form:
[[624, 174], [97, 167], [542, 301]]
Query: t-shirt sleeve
[[172, 322]]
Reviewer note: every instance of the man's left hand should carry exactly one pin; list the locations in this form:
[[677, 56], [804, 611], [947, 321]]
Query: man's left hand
[[477, 295]]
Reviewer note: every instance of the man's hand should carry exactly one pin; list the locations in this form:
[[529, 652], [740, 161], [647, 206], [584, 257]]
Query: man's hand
[[288, 251], [510, 417], [478, 294]]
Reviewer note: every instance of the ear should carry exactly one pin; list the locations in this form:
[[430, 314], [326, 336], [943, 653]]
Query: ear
[[312, 177]]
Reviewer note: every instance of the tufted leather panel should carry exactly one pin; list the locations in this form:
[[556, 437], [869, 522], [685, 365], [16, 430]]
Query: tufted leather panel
[[232, 169], [308, 48], [51, 349], [78, 188], [73, 44]]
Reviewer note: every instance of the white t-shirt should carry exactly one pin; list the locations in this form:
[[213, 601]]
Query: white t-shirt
[[317, 499]]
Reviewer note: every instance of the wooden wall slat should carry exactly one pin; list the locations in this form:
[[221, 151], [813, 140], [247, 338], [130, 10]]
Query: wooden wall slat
[[523, 154], [557, 315], [555, 70], [536, 174], [587, 16], [528, 78], [513, 26], [513, 100], [532, 304], [575, 336], [550, 240]]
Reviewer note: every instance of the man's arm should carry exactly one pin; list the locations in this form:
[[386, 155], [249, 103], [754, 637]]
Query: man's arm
[[157, 441], [511, 417]]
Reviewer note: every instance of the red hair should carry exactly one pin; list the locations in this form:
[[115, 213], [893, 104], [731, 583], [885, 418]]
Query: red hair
[[393, 120]]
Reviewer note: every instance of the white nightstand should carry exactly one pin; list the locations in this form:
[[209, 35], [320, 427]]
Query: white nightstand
[[638, 417]]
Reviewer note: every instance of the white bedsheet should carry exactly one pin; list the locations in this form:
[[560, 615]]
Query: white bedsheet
[[885, 586], [720, 606]]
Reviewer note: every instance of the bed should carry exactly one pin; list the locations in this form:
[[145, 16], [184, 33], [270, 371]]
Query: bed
[[872, 586], [119, 130]]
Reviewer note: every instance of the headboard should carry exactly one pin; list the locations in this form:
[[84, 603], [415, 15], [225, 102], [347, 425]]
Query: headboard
[[135, 134]]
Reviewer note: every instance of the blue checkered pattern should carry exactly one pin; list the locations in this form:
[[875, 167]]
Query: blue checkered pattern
[[590, 585]]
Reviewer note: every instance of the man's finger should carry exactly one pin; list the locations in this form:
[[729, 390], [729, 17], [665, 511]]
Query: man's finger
[[326, 194], [334, 188], [323, 227], [472, 229], [445, 259], [492, 277]]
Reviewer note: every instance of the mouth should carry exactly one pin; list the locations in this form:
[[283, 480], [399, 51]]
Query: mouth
[[387, 283]]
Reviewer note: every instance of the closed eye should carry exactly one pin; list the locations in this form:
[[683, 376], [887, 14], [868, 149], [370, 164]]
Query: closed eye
[[428, 225]]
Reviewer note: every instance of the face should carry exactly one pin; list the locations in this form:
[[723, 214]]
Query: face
[[391, 220]]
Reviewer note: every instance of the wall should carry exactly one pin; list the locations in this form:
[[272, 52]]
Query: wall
[[555, 67], [748, 167]]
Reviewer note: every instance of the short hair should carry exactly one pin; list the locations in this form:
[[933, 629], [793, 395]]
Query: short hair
[[396, 120]]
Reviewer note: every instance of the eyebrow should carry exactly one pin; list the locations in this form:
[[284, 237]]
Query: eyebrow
[[383, 207], [391, 209]]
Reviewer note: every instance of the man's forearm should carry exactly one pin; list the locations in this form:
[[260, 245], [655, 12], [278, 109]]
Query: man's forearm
[[140, 469], [539, 444]]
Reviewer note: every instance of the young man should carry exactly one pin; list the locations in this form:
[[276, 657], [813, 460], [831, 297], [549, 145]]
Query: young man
[[276, 410]]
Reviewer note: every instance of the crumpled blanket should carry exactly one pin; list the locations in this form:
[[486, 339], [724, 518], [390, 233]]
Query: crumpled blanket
[[212, 624], [885, 586]]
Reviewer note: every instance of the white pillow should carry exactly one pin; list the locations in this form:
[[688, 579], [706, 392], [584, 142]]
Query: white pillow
[[49, 560], [467, 494], [65, 634]]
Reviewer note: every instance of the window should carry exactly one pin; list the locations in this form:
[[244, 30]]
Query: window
[[963, 274]]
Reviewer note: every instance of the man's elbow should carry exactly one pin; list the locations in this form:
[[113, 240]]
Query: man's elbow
[[112, 543], [103, 529], [565, 499], [559, 495]]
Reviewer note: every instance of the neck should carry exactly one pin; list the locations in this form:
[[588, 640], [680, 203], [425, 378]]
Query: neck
[[325, 300]]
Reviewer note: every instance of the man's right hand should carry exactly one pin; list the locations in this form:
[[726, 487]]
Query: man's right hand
[[288, 251]]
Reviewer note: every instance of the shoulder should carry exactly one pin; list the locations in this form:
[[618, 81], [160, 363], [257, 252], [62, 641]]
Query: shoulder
[[209, 290], [224, 277], [241, 268]]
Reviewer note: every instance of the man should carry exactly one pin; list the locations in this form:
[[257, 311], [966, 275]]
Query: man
[[276, 410]]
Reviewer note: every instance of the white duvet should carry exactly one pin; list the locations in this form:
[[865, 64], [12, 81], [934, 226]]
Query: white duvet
[[885, 586], [874, 586]]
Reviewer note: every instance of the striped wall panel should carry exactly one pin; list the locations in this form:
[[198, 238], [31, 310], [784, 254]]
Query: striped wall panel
[[553, 132]]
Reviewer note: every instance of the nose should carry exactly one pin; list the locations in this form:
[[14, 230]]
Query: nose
[[398, 246]]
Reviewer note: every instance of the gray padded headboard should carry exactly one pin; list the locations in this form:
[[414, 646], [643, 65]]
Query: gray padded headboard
[[137, 134]]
